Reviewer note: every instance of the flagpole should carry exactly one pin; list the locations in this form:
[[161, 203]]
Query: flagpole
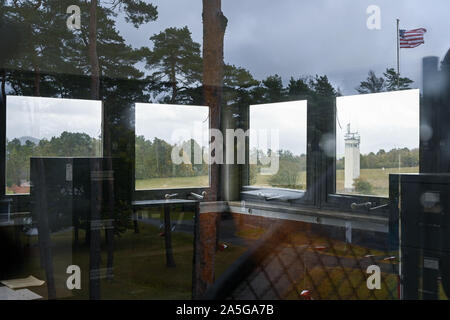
[[398, 53]]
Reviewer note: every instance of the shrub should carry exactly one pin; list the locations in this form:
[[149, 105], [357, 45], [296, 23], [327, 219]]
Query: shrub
[[253, 173], [362, 186], [286, 177]]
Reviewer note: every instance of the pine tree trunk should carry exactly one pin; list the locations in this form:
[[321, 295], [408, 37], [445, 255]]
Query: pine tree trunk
[[4, 87], [173, 81], [93, 56], [214, 25], [37, 81]]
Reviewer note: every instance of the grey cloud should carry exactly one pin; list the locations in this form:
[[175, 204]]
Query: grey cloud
[[294, 38]]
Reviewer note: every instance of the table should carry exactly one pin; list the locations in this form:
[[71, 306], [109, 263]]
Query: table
[[143, 204]]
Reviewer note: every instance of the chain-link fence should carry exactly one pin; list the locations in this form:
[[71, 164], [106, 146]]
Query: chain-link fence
[[288, 262]]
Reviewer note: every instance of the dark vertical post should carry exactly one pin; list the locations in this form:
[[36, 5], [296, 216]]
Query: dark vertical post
[[76, 228], [394, 197], [230, 181], [43, 228], [17, 229], [432, 223], [135, 222], [429, 115], [12, 35], [419, 239], [195, 257], [3, 143], [109, 228], [170, 262], [119, 143], [321, 149], [109, 231], [444, 125], [244, 123], [94, 227]]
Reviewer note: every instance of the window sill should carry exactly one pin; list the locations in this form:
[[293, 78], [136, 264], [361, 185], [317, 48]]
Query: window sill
[[160, 193], [274, 195], [361, 221], [343, 202]]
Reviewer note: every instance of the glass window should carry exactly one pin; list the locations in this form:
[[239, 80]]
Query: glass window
[[278, 145], [329, 93], [377, 134], [38, 126], [170, 143]]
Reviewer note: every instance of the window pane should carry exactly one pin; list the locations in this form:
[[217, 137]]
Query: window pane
[[48, 127], [377, 134], [278, 145], [170, 142]]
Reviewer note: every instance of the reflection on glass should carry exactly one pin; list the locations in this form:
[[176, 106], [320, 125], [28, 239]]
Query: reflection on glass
[[377, 134], [48, 127], [278, 145], [170, 143]]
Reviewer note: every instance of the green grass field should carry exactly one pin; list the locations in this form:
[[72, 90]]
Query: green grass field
[[378, 178], [170, 183], [263, 181], [139, 265]]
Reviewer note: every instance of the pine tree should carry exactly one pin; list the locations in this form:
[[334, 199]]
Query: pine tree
[[373, 84], [394, 82], [175, 63], [273, 87], [237, 83]]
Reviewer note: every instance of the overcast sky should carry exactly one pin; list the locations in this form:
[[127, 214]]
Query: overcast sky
[[172, 123], [49, 117], [304, 37], [288, 119]]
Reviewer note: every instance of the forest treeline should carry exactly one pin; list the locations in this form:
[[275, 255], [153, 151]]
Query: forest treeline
[[401, 157], [68, 144], [153, 159]]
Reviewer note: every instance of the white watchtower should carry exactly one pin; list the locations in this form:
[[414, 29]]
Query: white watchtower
[[352, 165]]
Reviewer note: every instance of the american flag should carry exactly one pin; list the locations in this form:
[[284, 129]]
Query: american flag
[[411, 38]]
